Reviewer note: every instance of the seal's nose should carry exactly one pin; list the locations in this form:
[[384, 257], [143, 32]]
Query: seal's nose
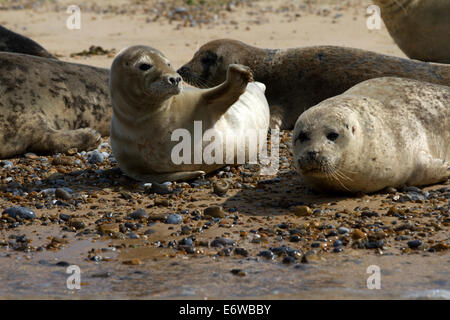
[[174, 80], [312, 155]]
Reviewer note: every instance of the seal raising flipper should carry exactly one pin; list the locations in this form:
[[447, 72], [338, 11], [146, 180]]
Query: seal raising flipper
[[158, 126]]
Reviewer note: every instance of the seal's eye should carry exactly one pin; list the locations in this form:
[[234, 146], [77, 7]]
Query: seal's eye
[[145, 66], [332, 136], [168, 63], [302, 136]]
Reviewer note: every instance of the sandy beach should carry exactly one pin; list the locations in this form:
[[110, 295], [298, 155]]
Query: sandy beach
[[235, 255]]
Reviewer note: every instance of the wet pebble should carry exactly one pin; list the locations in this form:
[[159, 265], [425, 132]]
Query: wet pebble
[[414, 244], [95, 157], [160, 188], [222, 242], [266, 254], [138, 214], [215, 212], [61, 193], [21, 212], [174, 219], [343, 230]]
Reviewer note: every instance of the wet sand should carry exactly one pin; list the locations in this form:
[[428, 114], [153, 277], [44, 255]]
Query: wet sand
[[261, 213]]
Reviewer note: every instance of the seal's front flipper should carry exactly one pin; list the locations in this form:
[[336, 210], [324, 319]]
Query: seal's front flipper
[[54, 141], [172, 176], [220, 98]]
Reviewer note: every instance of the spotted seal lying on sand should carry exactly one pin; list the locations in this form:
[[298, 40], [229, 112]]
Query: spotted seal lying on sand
[[384, 132], [49, 106], [150, 104], [299, 78]]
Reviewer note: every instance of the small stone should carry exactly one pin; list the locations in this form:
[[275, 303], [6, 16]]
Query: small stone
[[95, 157], [302, 211], [295, 239], [174, 219], [132, 235], [221, 187], [215, 212], [77, 224], [160, 189], [288, 260], [61, 193], [337, 243], [138, 214], [21, 212], [222, 242], [65, 217], [414, 244], [238, 272], [62, 264], [343, 230], [241, 251], [266, 254], [358, 234]]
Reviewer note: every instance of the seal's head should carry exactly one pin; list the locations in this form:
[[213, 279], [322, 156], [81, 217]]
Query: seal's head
[[325, 139], [208, 67], [142, 77]]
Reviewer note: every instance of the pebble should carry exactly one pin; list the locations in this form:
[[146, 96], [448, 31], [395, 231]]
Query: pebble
[[222, 242], [132, 235], [138, 214], [241, 251], [95, 157], [174, 219], [221, 187], [238, 272], [337, 243], [61, 193], [414, 244], [288, 260], [77, 224], [343, 230], [22, 212], [266, 254], [214, 211], [6, 164], [159, 189], [302, 211]]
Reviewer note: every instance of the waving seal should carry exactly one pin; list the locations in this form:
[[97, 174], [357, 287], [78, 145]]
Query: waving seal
[[150, 103], [421, 28], [49, 106], [14, 42], [299, 78], [384, 132]]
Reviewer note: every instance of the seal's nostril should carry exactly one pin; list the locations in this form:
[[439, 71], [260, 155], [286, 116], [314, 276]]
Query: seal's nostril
[[178, 79], [173, 81], [313, 155]]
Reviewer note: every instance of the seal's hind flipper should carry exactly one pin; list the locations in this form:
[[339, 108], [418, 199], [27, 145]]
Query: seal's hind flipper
[[54, 141]]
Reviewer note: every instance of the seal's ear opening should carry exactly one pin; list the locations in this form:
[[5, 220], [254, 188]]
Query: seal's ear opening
[[353, 129]]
